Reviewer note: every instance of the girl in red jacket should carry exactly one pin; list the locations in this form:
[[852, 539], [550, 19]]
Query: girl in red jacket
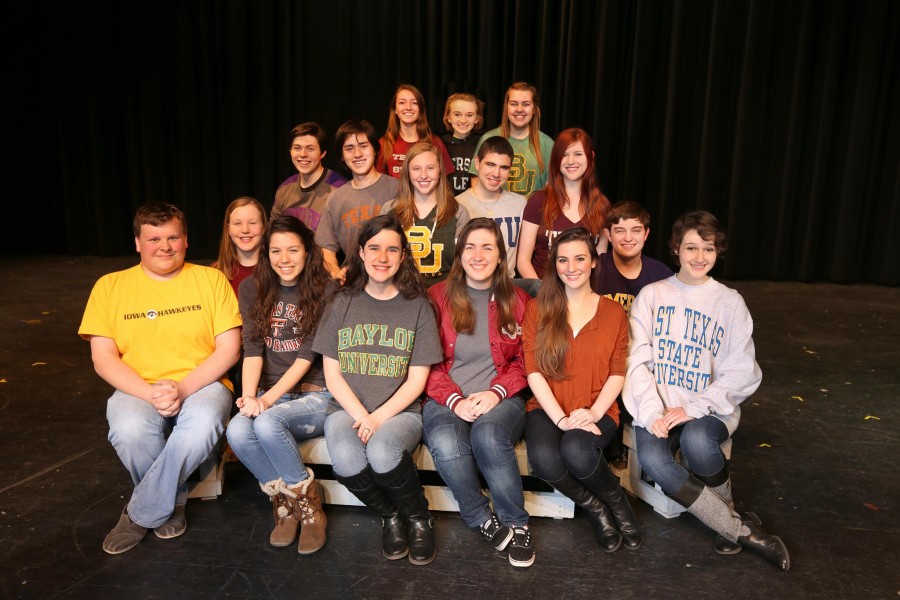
[[473, 416]]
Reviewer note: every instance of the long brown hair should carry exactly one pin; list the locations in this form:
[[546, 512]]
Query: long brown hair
[[393, 127], [462, 314], [405, 206], [227, 262], [594, 206], [311, 285], [552, 340], [534, 127]]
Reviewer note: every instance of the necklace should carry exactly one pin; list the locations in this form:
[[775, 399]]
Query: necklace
[[489, 207], [433, 223]]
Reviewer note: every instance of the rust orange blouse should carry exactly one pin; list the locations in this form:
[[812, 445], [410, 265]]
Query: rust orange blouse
[[596, 353]]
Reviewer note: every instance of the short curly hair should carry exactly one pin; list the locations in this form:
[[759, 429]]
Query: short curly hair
[[707, 227]]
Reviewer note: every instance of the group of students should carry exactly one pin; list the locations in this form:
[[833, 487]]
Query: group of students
[[383, 313], [429, 337]]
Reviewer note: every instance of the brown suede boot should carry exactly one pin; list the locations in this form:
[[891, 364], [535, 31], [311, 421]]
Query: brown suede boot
[[287, 518], [313, 519]]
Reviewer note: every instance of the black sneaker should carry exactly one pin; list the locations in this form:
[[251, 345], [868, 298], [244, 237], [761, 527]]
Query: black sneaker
[[521, 550], [497, 534]]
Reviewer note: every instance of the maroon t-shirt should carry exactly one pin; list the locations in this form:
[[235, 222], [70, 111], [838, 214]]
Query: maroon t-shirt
[[534, 213]]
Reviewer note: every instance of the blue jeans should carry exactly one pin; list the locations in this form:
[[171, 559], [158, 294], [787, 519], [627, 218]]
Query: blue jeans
[[160, 452], [460, 449], [699, 440], [349, 456], [553, 453], [267, 444]]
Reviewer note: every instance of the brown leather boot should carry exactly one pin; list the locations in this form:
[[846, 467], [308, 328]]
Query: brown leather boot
[[287, 518], [312, 517]]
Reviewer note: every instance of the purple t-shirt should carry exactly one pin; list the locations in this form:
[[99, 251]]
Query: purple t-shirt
[[607, 281]]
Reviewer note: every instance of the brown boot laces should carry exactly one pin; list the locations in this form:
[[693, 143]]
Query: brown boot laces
[[280, 500], [307, 510]]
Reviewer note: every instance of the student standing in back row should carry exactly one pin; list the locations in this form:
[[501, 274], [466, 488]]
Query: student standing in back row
[[463, 116], [407, 124], [521, 125]]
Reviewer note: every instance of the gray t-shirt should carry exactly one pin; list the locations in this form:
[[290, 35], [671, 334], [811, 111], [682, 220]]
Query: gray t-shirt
[[473, 367], [376, 341], [506, 211], [280, 346], [348, 208]]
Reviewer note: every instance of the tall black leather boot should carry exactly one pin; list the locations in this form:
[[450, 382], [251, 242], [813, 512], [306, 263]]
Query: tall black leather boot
[[601, 517], [606, 487], [704, 504], [402, 485], [393, 529]]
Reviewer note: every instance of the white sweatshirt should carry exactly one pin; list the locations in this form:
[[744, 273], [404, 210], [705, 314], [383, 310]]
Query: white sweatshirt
[[691, 347]]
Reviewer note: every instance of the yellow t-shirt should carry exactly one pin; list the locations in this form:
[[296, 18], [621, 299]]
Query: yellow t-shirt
[[163, 329]]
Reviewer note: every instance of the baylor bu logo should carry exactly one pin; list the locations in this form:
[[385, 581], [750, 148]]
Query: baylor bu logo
[[421, 247]]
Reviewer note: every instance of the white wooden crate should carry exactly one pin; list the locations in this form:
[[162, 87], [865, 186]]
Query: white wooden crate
[[538, 504]]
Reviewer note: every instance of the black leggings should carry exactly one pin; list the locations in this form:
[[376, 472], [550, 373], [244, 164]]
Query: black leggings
[[553, 452]]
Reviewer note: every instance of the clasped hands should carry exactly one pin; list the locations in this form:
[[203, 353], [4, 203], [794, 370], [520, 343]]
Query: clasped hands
[[474, 405], [580, 418], [167, 397], [251, 406], [672, 418]]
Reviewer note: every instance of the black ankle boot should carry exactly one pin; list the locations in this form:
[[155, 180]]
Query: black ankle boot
[[766, 545], [394, 537], [393, 528], [618, 503], [421, 540], [402, 485], [602, 523]]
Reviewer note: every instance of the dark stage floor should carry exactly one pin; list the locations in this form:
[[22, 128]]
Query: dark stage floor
[[815, 456]]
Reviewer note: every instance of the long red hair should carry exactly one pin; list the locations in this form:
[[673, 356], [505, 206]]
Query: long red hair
[[594, 205]]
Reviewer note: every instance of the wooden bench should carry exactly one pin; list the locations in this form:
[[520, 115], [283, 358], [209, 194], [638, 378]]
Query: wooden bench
[[540, 499], [639, 484]]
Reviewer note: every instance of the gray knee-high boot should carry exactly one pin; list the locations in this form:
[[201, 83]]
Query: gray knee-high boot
[[713, 512], [720, 484]]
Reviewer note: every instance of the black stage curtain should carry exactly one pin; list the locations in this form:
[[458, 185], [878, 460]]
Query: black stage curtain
[[778, 116]]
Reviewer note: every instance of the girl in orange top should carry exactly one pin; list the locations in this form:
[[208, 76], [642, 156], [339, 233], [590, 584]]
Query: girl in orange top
[[576, 343]]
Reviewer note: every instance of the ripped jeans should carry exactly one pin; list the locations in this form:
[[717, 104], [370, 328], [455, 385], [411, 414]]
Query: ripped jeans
[[267, 444]]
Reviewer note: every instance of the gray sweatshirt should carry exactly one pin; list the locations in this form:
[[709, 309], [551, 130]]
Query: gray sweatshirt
[[691, 347]]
